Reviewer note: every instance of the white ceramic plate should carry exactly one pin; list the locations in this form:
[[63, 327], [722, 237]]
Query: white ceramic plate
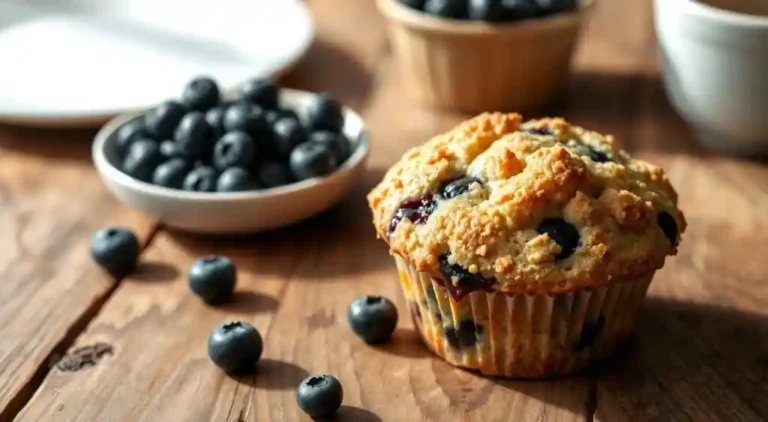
[[237, 212], [76, 62]]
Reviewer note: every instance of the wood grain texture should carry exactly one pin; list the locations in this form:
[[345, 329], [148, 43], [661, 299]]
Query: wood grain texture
[[50, 205], [701, 352]]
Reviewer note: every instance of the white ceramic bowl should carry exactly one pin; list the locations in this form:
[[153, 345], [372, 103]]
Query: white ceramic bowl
[[237, 212], [716, 73]]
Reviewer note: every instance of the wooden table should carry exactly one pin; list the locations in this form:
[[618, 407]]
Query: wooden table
[[702, 348]]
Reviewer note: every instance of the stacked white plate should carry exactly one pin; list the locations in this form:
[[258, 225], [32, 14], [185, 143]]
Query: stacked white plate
[[79, 62]]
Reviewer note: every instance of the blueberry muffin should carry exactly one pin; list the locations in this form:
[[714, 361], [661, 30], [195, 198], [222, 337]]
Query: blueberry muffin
[[525, 249]]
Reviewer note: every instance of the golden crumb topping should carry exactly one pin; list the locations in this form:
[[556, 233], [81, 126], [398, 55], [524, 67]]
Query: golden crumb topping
[[527, 207]]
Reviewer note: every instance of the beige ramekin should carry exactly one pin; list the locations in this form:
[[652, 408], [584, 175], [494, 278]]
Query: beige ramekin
[[478, 66]]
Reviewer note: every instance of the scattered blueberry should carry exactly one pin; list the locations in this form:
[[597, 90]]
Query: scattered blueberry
[[311, 159], [215, 119], [325, 113], [200, 94], [668, 225], [414, 4], [336, 142], [131, 132], [562, 233], [213, 278], [235, 149], [487, 10], [116, 249], [236, 179], [171, 174], [458, 187], [455, 9], [320, 396], [201, 179], [163, 119], [142, 158], [416, 211], [288, 134], [193, 135], [235, 347], [262, 92], [518, 10], [272, 175], [373, 318]]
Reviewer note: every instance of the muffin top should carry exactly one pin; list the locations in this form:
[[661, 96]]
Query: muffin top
[[541, 206]]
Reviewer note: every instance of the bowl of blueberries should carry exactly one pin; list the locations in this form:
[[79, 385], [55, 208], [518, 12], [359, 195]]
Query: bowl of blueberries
[[479, 55], [262, 158]]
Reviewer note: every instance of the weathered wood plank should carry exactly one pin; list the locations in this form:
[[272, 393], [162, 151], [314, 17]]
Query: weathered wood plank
[[51, 202]]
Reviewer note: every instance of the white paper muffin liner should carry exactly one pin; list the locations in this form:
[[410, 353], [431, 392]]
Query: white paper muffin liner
[[522, 335]]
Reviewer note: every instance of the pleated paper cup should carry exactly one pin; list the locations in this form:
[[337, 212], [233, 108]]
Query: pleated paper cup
[[478, 66], [522, 335]]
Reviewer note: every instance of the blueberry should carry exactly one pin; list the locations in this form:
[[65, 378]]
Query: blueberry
[[213, 278], [215, 119], [201, 179], [116, 249], [272, 175], [590, 332], [288, 134], [518, 10], [416, 211], [562, 233], [539, 131], [325, 113], [668, 225], [129, 133], [235, 149], [193, 136], [236, 179], [262, 92], [487, 10], [235, 347], [248, 118], [142, 158], [587, 151], [465, 336], [458, 187], [336, 142], [597, 156], [171, 173], [272, 116], [372, 318], [461, 276], [548, 7], [455, 9], [162, 120], [414, 4], [311, 159], [200, 94], [320, 396]]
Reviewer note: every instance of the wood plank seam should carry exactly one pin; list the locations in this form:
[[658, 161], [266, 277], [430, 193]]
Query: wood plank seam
[[25, 394]]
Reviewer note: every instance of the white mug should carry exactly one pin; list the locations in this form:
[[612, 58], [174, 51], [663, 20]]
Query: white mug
[[716, 73]]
